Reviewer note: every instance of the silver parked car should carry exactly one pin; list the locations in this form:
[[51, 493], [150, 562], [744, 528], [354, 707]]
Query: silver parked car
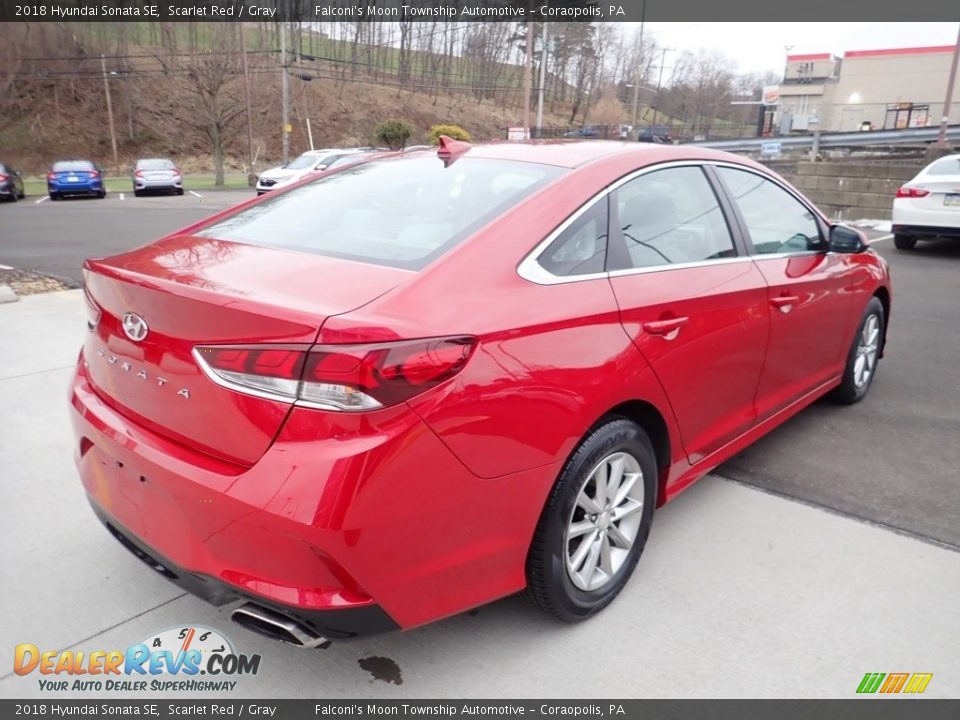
[[156, 174]]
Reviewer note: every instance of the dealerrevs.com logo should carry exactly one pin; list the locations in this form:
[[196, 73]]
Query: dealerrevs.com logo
[[187, 659]]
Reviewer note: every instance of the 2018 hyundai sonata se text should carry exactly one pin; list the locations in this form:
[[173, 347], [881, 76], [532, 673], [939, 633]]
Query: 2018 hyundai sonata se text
[[417, 384]]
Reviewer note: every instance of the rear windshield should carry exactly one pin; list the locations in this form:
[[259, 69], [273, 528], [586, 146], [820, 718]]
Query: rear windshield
[[73, 165], [402, 213], [156, 164], [947, 166]]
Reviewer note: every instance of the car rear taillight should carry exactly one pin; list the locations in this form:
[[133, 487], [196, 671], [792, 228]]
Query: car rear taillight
[[338, 377], [3, 178], [51, 176], [138, 173], [911, 192], [94, 174]]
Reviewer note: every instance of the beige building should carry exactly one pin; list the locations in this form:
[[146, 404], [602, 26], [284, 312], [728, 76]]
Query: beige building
[[875, 89]]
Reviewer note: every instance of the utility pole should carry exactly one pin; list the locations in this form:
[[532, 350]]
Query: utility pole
[[252, 174], [527, 80], [285, 91], [113, 134], [941, 146], [637, 79], [543, 75]]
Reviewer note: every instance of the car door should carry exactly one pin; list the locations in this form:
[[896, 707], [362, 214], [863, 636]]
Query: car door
[[691, 300], [810, 289]]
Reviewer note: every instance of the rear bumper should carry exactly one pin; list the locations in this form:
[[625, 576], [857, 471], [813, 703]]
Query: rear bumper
[[91, 188], [141, 184], [367, 514], [929, 230], [333, 624]]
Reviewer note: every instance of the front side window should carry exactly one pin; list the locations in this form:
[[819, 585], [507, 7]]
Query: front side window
[[776, 220], [403, 212], [672, 216]]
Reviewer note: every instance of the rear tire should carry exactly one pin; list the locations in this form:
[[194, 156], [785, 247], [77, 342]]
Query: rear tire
[[102, 194], [595, 522], [904, 242], [54, 196], [137, 193], [179, 191], [863, 357]]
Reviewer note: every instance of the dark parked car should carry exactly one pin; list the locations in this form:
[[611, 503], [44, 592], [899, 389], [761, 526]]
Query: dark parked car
[[156, 174], [656, 134], [11, 184], [587, 131], [75, 177]]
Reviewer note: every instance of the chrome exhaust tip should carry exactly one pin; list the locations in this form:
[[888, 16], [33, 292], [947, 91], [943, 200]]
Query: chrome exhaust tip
[[276, 626]]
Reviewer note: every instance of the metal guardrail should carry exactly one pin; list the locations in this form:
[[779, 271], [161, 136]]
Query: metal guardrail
[[837, 139]]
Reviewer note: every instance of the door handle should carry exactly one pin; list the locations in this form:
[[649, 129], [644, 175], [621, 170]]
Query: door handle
[[668, 329], [784, 303]]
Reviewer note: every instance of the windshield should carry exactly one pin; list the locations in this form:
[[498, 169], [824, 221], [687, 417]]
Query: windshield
[[402, 213], [302, 162], [156, 164], [73, 166]]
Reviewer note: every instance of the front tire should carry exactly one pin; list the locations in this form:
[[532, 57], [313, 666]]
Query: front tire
[[904, 242], [864, 354], [595, 522]]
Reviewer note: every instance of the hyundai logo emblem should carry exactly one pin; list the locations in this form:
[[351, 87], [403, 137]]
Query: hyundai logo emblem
[[134, 327]]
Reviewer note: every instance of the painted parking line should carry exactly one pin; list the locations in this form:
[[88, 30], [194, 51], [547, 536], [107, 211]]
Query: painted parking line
[[37, 202], [5, 267], [881, 238], [195, 194], [121, 196]]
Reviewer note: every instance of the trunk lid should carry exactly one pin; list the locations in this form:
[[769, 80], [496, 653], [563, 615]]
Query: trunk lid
[[191, 291]]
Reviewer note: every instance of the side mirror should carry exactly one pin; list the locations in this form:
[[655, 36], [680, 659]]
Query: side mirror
[[848, 240]]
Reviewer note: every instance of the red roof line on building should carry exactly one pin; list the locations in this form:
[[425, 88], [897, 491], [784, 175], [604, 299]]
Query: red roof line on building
[[807, 58], [900, 51]]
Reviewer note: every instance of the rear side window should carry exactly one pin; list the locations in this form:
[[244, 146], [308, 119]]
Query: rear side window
[[581, 248], [403, 213], [73, 165], [672, 216]]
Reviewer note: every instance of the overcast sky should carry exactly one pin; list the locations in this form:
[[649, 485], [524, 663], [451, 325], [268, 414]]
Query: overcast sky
[[758, 47]]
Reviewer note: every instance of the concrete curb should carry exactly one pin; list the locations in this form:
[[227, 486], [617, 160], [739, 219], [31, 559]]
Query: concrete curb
[[7, 295]]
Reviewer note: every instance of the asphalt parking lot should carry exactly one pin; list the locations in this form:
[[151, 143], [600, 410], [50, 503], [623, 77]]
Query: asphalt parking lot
[[826, 550]]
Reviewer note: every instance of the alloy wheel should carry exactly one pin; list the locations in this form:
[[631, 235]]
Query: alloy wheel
[[604, 522], [867, 348]]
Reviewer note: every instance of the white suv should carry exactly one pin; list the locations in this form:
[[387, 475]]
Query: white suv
[[310, 162]]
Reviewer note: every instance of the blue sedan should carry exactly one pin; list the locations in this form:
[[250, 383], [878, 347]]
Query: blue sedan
[[75, 177]]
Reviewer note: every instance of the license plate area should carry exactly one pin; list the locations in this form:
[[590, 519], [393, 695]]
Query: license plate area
[[73, 178], [952, 199]]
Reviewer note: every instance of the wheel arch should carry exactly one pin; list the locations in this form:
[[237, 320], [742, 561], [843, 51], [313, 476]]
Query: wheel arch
[[654, 424], [883, 295]]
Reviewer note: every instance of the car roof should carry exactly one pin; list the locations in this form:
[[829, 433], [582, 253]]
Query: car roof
[[573, 154], [151, 159]]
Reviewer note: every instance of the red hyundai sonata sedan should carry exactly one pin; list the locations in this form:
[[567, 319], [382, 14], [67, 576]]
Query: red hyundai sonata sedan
[[421, 383]]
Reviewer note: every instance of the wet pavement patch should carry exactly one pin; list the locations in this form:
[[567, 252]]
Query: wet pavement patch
[[382, 669]]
